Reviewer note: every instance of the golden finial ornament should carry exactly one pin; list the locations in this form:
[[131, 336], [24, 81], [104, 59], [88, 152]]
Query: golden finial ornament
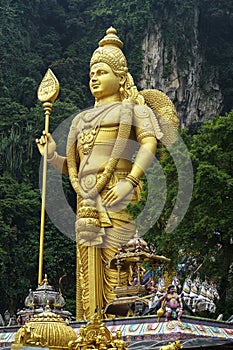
[[111, 38]]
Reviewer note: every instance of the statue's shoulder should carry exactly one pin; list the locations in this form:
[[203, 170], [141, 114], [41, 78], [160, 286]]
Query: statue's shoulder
[[164, 112], [78, 116], [142, 111]]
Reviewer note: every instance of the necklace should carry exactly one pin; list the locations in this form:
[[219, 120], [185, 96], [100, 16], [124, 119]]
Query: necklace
[[89, 125], [96, 111], [87, 138]]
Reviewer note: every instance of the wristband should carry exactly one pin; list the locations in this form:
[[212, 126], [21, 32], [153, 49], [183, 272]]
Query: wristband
[[133, 180], [50, 160]]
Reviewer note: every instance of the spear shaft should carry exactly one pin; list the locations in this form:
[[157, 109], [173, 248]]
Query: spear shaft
[[47, 93]]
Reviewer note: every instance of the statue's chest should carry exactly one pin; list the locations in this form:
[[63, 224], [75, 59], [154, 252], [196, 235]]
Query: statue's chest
[[91, 125], [97, 118]]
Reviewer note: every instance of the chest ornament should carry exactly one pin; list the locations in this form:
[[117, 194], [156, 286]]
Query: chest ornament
[[87, 138]]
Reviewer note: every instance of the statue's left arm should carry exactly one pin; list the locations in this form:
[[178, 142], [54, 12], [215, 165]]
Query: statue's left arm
[[144, 157], [147, 131]]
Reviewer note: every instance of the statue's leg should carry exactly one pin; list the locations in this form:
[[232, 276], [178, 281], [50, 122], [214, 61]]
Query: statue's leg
[[119, 234], [89, 281], [168, 313], [95, 278], [81, 253], [179, 314], [109, 276]]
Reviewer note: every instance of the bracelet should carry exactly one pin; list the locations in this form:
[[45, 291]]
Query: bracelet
[[133, 180], [50, 160]]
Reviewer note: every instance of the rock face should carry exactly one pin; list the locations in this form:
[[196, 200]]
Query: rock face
[[193, 88]]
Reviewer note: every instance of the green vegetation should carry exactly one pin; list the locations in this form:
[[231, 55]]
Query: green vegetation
[[206, 230], [62, 34]]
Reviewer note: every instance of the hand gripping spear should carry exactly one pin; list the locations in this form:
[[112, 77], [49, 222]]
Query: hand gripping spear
[[47, 94]]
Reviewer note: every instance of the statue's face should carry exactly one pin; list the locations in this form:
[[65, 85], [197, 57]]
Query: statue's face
[[172, 290], [103, 82]]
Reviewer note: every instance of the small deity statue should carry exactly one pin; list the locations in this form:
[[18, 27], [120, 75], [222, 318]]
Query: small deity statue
[[102, 342], [150, 285], [172, 346], [176, 282], [80, 343], [100, 148], [29, 301], [29, 336], [118, 343], [173, 303]]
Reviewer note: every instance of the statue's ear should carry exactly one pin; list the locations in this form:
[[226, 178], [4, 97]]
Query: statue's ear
[[122, 79]]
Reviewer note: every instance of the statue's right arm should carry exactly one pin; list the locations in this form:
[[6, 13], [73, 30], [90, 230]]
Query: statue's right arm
[[53, 157]]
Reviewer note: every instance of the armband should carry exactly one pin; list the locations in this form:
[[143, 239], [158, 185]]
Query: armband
[[54, 157]]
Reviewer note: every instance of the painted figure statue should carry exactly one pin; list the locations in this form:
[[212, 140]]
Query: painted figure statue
[[173, 304], [101, 144]]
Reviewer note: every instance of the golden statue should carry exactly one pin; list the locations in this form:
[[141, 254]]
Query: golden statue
[[100, 147], [80, 343], [96, 335], [28, 336], [118, 343], [172, 346]]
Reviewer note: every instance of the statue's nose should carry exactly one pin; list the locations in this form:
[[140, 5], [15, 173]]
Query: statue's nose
[[94, 77]]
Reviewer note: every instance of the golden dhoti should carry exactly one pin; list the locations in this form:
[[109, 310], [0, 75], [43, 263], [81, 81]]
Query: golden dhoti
[[96, 288]]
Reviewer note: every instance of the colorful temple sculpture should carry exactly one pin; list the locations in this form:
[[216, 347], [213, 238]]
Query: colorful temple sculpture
[[134, 298]]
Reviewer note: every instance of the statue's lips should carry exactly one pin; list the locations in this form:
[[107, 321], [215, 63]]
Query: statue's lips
[[94, 86]]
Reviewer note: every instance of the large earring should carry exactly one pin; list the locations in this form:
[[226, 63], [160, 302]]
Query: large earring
[[122, 92], [121, 89]]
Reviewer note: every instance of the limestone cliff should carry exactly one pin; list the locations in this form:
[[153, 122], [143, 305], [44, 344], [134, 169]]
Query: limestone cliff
[[192, 87]]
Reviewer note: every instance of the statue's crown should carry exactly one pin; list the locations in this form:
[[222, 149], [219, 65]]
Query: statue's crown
[[109, 52]]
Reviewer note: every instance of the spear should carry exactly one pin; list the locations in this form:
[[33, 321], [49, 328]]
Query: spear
[[47, 93]]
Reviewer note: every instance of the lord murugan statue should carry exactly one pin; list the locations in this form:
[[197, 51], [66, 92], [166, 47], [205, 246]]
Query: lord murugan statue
[[123, 125]]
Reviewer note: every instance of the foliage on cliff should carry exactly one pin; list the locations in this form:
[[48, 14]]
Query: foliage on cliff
[[63, 34]]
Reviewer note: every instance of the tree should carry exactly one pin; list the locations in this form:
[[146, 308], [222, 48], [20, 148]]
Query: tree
[[206, 230], [19, 229], [208, 223]]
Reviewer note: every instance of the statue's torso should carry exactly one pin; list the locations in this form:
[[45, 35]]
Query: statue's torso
[[96, 138], [173, 300]]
